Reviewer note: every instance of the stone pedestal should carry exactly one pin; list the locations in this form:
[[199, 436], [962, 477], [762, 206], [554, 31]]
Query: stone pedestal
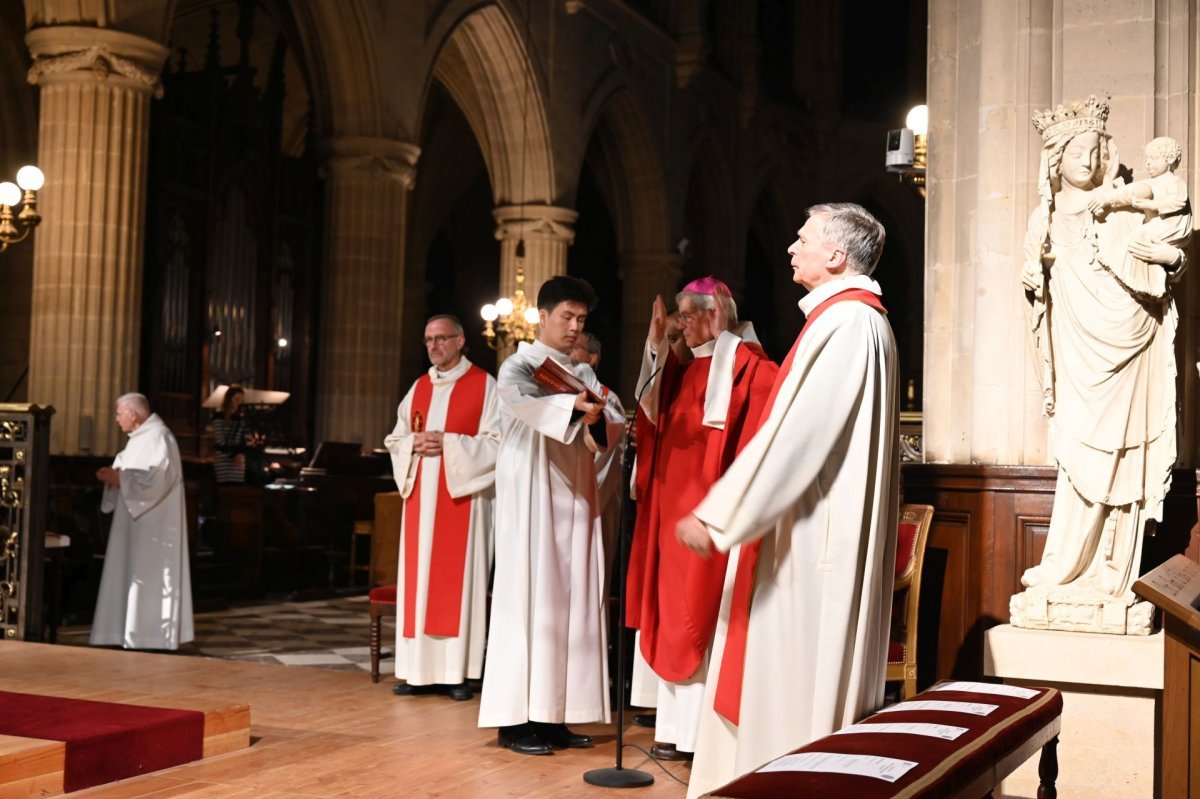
[[93, 130], [367, 185], [1111, 684]]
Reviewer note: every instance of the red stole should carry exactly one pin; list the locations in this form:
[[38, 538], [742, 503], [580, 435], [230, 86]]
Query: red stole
[[728, 696], [452, 517]]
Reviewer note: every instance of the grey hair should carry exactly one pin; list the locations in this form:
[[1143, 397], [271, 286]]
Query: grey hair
[[135, 402], [708, 302], [853, 229], [590, 343], [451, 318]]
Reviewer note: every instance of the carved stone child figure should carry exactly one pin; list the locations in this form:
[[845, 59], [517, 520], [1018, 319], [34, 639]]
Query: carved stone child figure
[[1164, 199]]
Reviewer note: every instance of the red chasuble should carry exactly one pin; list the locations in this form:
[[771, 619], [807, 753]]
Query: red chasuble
[[452, 517], [728, 698], [674, 595]]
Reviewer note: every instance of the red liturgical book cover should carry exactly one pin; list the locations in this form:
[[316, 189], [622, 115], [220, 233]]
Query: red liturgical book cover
[[552, 376]]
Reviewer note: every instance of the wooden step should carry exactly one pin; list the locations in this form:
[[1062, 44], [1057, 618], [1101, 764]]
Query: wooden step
[[33, 767]]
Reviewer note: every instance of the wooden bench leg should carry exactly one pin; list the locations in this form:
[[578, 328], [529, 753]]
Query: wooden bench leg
[[1048, 770], [376, 623]]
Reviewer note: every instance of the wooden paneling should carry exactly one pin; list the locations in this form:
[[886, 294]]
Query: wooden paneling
[[989, 525]]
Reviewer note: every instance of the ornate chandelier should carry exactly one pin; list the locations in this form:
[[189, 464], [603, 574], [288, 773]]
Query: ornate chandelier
[[24, 193], [511, 319]]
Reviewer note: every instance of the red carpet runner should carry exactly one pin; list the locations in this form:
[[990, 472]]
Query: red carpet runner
[[105, 741]]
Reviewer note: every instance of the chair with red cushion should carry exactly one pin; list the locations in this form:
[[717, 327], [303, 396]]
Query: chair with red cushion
[[383, 603], [910, 555]]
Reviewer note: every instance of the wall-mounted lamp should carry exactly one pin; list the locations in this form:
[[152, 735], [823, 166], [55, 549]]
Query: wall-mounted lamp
[[24, 193], [906, 148]]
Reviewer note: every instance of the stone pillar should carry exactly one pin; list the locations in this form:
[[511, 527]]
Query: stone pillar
[[643, 275], [366, 213], [96, 86], [547, 231], [982, 395]]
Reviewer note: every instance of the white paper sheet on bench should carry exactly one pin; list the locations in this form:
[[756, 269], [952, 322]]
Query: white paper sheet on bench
[[943, 731], [888, 769], [974, 708], [987, 688]]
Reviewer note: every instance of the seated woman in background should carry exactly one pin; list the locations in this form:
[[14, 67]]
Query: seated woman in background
[[231, 436]]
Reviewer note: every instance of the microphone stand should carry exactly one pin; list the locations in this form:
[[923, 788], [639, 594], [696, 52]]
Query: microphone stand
[[619, 776]]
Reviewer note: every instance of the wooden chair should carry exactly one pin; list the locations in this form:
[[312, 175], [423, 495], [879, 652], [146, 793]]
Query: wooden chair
[[906, 597], [383, 603]]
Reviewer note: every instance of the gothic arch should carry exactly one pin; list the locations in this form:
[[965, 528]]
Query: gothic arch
[[636, 185], [339, 51], [486, 67]]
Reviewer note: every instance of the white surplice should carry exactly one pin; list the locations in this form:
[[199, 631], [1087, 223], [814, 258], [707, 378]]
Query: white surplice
[[145, 599], [819, 484], [546, 656], [470, 464]]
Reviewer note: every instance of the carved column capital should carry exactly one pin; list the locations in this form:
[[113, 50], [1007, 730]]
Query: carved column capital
[[535, 222], [74, 54], [390, 158]]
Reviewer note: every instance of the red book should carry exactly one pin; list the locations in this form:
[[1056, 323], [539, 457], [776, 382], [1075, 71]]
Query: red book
[[552, 376]]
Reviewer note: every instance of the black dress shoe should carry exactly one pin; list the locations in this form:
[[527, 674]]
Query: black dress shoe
[[558, 736], [523, 740], [462, 692], [404, 689], [668, 752], [645, 720]]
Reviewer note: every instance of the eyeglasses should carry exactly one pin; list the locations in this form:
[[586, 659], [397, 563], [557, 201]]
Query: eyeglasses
[[687, 318], [438, 340]]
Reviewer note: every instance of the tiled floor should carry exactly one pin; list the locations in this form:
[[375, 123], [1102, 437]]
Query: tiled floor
[[329, 634]]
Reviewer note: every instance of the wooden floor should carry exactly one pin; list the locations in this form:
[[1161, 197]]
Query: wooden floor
[[322, 733]]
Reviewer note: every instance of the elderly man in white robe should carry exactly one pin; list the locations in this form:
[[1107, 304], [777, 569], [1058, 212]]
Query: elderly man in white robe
[[546, 658], [808, 511], [145, 599], [443, 452]]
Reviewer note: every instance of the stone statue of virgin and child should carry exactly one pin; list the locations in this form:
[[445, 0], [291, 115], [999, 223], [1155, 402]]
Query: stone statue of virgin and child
[[1101, 258]]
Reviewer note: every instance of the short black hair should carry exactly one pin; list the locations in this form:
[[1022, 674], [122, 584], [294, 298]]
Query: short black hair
[[564, 288]]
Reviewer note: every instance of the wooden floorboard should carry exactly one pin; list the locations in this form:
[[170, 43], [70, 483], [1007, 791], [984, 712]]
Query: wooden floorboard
[[321, 734]]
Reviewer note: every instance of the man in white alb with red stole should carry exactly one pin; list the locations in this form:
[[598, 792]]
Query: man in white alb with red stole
[[444, 459], [809, 510], [699, 414]]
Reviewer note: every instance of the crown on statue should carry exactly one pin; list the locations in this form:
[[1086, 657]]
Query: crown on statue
[[1081, 115]]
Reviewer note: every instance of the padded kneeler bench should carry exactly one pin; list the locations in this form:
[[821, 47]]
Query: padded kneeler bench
[[968, 767]]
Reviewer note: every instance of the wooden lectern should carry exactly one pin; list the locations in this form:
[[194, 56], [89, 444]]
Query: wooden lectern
[[1174, 588]]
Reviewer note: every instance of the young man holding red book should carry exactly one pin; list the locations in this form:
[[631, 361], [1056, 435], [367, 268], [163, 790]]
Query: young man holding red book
[[546, 664]]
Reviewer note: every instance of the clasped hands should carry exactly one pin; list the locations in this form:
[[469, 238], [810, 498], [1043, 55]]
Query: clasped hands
[[109, 476], [428, 443]]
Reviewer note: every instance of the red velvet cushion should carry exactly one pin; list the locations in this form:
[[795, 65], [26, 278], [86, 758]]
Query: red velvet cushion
[[383, 595], [906, 542], [943, 767], [895, 652]]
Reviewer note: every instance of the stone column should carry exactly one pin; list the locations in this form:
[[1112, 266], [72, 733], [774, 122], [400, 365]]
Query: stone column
[[643, 275], [96, 86], [366, 212], [547, 231]]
